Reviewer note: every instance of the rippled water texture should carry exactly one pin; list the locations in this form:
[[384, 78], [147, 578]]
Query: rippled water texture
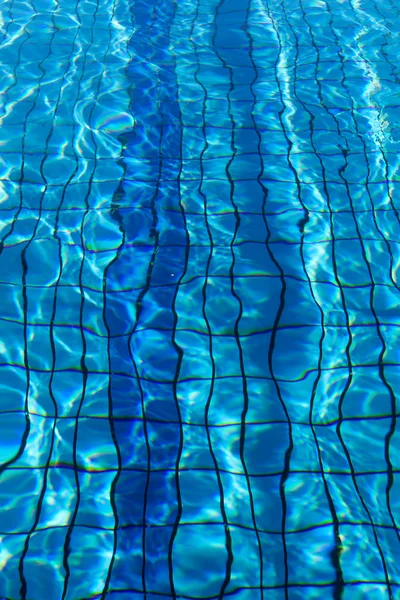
[[199, 252]]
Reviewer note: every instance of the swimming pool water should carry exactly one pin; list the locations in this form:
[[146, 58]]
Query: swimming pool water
[[199, 252]]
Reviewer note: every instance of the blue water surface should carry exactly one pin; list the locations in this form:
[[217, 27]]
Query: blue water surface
[[199, 253]]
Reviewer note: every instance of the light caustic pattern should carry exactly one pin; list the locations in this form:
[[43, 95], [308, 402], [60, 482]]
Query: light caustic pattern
[[199, 250]]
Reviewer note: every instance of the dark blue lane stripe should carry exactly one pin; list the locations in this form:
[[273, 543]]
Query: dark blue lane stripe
[[209, 332], [152, 81]]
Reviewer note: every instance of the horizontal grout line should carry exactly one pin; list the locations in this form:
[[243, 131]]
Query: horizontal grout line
[[210, 424], [230, 335], [233, 525], [184, 380]]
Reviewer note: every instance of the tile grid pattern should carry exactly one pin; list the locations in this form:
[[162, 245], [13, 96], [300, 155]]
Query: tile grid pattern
[[199, 329]]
